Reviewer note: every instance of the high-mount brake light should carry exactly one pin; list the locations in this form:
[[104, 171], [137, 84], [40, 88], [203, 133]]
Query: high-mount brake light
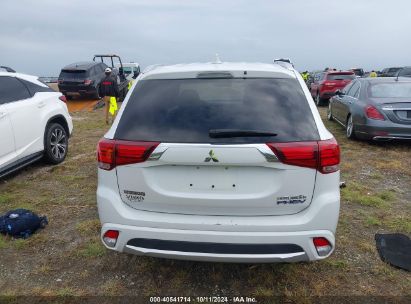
[[112, 153], [323, 156]]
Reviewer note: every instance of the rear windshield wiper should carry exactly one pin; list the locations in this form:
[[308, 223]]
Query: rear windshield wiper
[[227, 133]]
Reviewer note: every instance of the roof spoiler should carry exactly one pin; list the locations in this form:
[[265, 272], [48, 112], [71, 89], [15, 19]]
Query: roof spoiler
[[284, 62]]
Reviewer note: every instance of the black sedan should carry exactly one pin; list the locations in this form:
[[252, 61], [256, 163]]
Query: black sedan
[[374, 108]]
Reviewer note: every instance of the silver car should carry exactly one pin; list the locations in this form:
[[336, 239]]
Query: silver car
[[374, 108]]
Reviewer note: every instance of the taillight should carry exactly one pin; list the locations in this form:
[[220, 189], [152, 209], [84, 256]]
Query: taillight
[[303, 154], [373, 113], [329, 158], [322, 245], [88, 82], [60, 81], [105, 154], [112, 153], [63, 98], [110, 237], [323, 156]]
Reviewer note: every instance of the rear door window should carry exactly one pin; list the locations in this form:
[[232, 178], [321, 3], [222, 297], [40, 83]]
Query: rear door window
[[12, 89], [354, 90], [184, 110]]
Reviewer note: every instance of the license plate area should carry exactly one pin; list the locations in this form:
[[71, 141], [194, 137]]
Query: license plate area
[[403, 114], [212, 178]]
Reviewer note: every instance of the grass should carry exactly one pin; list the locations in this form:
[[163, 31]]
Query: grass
[[372, 221], [363, 195], [3, 242], [5, 198], [93, 249], [89, 227]]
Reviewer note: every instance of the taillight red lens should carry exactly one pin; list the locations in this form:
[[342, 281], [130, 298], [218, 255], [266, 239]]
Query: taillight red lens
[[112, 234], [63, 98], [329, 158], [322, 155], [87, 82], [105, 154], [373, 113], [303, 154], [133, 152], [112, 153]]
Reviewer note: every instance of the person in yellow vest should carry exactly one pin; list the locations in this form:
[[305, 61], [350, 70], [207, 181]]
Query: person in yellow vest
[[305, 75], [373, 74]]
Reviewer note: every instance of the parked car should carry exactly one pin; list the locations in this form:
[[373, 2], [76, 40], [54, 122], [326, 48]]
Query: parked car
[[389, 72], [34, 122], [359, 72], [131, 70], [81, 79], [219, 162], [404, 72], [312, 76], [374, 108], [327, 83], [6, 69]]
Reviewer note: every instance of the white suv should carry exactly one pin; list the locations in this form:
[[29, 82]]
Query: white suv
[[219, 162], [34, 122]]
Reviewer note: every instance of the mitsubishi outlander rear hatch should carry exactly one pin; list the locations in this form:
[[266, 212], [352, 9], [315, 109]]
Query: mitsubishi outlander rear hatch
[[216, 146]]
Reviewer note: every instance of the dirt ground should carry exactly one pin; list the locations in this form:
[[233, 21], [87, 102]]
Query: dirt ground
[[67, 259]]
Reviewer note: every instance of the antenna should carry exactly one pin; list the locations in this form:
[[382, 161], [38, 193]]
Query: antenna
[[217, 59]]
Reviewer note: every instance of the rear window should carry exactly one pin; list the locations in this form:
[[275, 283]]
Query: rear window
[[393, 70], [340, 76], [73, 74], [390, 90], [406, 72], [184, 110]]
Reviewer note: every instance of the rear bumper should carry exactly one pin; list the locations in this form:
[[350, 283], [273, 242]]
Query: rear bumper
[[318, 220], [80, 89], [223, 246], [383, 130], [327, 94]]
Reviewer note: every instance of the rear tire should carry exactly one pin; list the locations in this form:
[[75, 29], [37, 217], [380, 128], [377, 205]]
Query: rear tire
[[55, 144], [329, 113], [350, 128]]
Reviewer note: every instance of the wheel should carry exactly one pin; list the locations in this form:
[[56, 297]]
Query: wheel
[[55, 144], [318, 100], [349, 130], [329, 114]]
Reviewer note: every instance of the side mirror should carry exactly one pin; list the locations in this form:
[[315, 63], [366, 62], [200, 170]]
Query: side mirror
[[135, 74], [120, 71], [339, 93]]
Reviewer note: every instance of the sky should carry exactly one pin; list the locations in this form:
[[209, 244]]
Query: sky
[[40, 37]]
